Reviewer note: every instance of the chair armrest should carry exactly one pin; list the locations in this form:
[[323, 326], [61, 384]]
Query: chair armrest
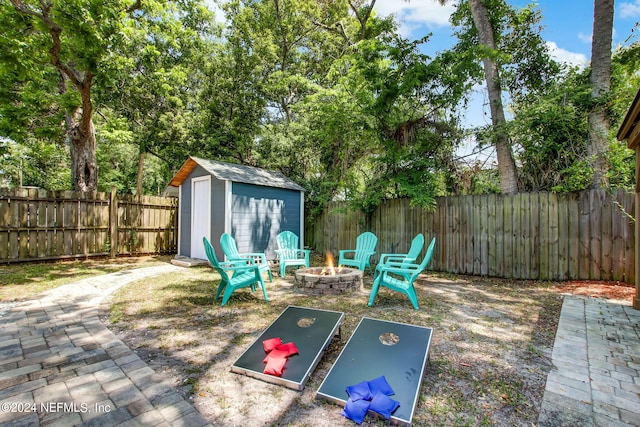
[[398, 270], [383, 257], [395, 267], [407, 266], [343, 252]]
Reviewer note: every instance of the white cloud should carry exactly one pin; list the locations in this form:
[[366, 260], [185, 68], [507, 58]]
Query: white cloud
[[584, 37], [630, 10], [213, 6], [416, 13], [563, 55]]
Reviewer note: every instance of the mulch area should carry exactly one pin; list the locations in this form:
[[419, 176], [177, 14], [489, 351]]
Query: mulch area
[[598, 289]]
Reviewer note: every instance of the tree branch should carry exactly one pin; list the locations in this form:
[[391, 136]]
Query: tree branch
[[337, 28], [362, 19], [136, 6]]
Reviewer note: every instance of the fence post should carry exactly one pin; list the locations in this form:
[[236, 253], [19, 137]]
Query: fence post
[[113, 224]]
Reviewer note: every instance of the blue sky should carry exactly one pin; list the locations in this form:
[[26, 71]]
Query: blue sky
[[567, 23], [567, 27]]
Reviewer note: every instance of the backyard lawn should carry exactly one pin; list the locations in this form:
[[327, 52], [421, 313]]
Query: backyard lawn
[[489, 356], [19, 281]]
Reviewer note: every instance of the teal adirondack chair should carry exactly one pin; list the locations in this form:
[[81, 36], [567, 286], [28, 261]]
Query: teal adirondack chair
[[289, 252], [360, 257], [410, 257], [400, 277], [230, 249], [234, 275]]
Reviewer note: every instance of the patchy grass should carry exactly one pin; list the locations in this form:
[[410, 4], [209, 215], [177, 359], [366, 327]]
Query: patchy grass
[[489, 358], [20, 281]]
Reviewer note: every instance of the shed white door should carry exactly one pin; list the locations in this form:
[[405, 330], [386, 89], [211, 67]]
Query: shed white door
[[200, 215]]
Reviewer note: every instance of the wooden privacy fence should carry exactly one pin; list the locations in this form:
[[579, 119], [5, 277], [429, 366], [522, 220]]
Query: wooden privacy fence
[[38, 224], [586, 235]]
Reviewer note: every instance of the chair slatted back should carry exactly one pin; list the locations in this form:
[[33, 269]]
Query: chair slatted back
[[213, 259], [288, 244], [365, 244], [229, 246], [416, 247], [425, 261]]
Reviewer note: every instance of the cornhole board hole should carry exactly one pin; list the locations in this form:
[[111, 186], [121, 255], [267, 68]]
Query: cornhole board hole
[[396, 350], [311, 330]]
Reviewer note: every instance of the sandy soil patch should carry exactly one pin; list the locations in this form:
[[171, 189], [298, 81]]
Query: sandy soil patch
[[489, 359]]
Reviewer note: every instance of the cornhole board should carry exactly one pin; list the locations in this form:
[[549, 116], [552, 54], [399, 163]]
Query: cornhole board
[[377, 347], [311, 330]]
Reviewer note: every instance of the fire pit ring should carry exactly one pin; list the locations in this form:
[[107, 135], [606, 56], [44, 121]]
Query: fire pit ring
[[343, 281]]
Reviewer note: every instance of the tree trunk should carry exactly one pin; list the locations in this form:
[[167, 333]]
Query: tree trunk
[[506, 164], [600, 85], [140, 174], [82, 142]]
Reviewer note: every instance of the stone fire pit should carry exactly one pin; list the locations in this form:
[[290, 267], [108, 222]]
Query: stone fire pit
[[318, 283]]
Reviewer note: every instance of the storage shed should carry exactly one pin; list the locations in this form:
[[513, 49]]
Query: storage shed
[[252, 204]]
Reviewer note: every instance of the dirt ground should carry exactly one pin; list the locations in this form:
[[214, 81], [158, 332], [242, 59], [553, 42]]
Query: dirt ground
[[607, 290], [489, 356]]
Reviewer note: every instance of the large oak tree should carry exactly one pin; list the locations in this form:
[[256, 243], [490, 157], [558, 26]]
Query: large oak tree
[[65, 59], [73, 39]]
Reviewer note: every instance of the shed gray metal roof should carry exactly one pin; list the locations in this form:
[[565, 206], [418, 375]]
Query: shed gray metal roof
[[236, 173]]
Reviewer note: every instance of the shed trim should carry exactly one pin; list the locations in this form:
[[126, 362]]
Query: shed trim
[[179, 217], [234, 172], [207, 212]]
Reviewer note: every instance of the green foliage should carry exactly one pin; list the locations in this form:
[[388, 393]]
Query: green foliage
[[476, 179], [521, 52], [551, 129], [530, 71], [550, 103], [145, 57], [326, 92], [321, 89], [232, 99], [36, 163], [622, 165], [552, 136], [117, 156], [30, 103], [625, 81], [154, 77]]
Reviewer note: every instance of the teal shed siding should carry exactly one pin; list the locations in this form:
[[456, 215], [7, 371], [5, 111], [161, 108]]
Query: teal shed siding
[[259, 214]]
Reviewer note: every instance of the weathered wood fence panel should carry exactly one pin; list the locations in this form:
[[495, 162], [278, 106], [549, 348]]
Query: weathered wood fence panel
[[587, 235], [38, 224]]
